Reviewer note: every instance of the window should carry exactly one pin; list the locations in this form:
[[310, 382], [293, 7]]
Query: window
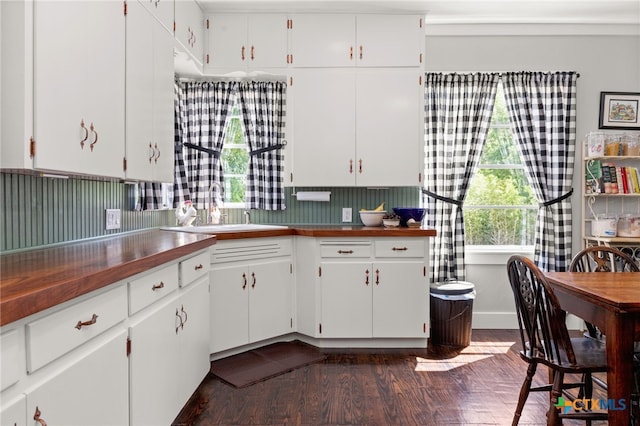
[[500, 207], [235, 161]]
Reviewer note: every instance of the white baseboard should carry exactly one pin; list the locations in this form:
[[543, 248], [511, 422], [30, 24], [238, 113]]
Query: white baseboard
[[508, 321]]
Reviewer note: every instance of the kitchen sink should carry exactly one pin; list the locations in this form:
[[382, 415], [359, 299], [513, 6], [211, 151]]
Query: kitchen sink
[[227, 227]]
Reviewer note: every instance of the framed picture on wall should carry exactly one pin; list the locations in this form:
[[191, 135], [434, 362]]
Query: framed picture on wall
[[619, 110]]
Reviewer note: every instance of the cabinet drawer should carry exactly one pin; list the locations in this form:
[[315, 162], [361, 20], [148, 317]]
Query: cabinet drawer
[[12, 359], [401, 248], [345, 250], [58, 333], [193, 268], [151, 287]]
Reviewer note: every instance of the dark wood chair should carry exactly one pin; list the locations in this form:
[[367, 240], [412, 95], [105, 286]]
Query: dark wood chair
[[546, 341]]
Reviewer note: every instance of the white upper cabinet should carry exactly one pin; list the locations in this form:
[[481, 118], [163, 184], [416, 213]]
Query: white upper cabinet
[[79, 87], [319, 40], [189, 29], [357, 127], [337, 40], [162, 10], [149, 98], [240, 42]]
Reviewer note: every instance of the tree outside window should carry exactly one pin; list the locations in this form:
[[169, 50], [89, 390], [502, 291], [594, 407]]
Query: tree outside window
[[235, 161], [500, 207]]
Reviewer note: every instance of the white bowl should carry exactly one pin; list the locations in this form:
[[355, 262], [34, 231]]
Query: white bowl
[[372, 218], [391, 223]]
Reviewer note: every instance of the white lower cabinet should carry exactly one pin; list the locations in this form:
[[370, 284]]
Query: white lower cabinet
[[372, 289], [251, 292], [89, 391], [169, 353]]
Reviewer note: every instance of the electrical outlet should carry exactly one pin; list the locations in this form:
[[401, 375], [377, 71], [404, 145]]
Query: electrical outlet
[[346, 214], [112, 219]]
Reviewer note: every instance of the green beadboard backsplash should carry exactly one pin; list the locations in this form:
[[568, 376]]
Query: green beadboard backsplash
[[39, 211]]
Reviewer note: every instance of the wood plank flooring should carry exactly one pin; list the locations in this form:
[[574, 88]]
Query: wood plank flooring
[[479, 386]]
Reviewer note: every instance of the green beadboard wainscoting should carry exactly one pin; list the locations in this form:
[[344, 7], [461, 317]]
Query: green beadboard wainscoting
[[39, 211]]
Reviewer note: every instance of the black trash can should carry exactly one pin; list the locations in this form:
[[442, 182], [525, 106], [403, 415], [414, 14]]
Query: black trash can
[[451, 305]]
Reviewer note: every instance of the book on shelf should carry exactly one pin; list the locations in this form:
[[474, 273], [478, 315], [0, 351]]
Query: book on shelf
[[624, 179], [613, 188], [593, 177], [633, 171], [606, 179]]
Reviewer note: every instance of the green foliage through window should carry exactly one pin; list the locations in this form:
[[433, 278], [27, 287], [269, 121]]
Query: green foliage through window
[[500, 207], [235, 160]]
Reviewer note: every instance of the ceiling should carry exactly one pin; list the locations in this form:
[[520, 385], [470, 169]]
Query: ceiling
[[456, 11]]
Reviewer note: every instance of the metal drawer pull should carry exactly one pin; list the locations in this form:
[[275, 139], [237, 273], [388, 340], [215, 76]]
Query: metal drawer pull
[[366, 273], [253, 283], [179, 326], [93, 320], [158, 286], [37, 418], [95, 141], [186, 317], [244, 281], [399, 249], [345, 251], [377, 276], [86, 133], [199, 266]]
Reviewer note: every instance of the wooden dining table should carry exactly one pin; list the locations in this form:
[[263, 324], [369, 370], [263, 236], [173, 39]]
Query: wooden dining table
[[611, 301]]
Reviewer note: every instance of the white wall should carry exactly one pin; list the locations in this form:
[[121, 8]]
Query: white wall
[[608, 61]]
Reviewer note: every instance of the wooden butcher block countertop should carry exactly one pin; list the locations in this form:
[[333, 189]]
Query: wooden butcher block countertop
[[34, 280]]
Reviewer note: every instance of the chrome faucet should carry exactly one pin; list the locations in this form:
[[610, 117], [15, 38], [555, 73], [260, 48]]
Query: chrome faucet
[[211, 204], [247, 217]]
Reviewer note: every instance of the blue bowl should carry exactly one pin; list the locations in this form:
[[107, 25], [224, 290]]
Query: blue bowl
[[407, 213]]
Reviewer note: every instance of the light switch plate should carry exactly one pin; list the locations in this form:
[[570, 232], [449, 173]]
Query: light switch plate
[[112, 219], [347, 214]]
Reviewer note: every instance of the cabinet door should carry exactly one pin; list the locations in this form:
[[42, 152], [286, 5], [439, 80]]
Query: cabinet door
[[190, 28], [163, 108], [323, 40], [78, 395], [346, 299], [390, 40], [153, 368], [229, 307], [267, 41], [400, 299], [149, 123], [193, 338], [79, 87], [227, 41], [270, 305], [389, 127], [324, 127]]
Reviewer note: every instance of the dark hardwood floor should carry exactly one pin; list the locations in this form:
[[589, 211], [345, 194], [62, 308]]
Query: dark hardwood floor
[[479, 386]]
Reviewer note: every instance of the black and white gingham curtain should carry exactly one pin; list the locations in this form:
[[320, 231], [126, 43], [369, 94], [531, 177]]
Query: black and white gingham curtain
[[262, 106], [458, 111], [202, 109], [542, 111]]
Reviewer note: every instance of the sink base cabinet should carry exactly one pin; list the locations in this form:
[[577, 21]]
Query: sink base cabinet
[[251, 292]]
